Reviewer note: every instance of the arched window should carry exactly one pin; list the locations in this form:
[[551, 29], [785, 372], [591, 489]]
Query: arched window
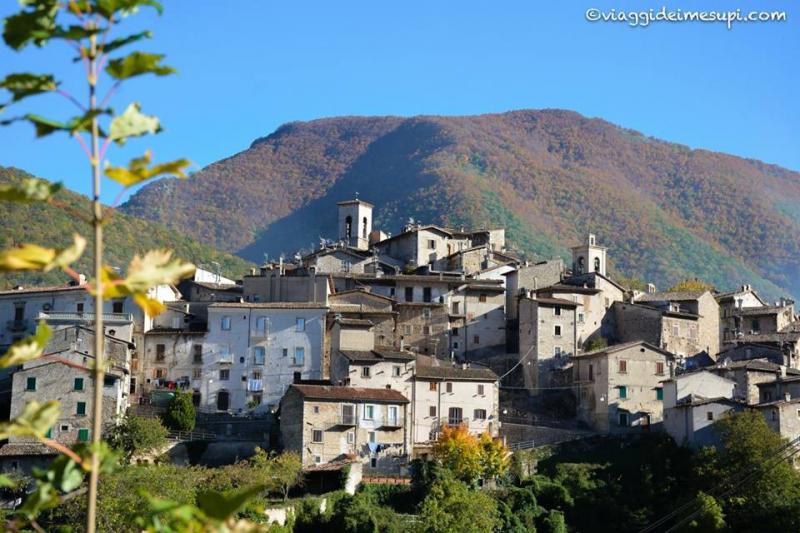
[[364, 230], [581, 265], [597, 264], [348, 227]]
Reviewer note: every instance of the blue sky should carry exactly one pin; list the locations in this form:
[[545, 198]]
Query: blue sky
[[247, 66]]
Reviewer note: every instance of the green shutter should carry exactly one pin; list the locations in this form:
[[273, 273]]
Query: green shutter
[[78, 383], [659, 394], [623, 392], [81, 410], [31, 384], [49, 433], [83, 435]]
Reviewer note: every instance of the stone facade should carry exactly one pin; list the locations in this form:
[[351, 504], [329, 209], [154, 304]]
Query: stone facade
[[691, 423], [547, 339], [619, 388]]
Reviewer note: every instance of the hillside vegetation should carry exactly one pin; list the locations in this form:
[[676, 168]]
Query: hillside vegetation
[[125, 236], [667, 212]]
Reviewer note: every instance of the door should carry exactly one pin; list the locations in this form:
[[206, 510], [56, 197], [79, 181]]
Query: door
[[223, 400]]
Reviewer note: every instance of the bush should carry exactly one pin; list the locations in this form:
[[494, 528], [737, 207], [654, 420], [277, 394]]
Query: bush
[[452, 507], [137, 436], [180, 415], [401, 498]]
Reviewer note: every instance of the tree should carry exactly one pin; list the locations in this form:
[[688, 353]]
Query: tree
[[596, 343], [459, 452], [691, 285], [280, 472], [180, 415], [452, 507], [137, 435], [553, 522], [710, 517], [86, 26], [494, 456]]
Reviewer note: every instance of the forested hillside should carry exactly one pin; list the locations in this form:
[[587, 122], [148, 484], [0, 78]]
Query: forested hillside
[[666, 211], [52, 226]]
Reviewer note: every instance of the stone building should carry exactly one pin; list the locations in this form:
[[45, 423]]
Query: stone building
[[782, 416], [702, 304], [547, 340], [254, 351], [453, 395], [690, 422], [619, 388], [730, 303], [527, 278], [748, 374], [329, 423], [702, 383], [362, 304], [589, 257]]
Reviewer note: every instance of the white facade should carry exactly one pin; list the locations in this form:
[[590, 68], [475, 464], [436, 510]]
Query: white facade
[[253, 352]]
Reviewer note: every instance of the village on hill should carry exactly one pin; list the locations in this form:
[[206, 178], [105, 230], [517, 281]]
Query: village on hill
[[362, 352]]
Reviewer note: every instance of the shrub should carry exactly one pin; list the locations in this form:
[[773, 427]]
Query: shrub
[[180, 415]]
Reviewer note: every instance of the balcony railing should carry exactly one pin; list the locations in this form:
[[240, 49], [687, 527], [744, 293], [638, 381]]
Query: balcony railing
[[346, 420], [85, 317]]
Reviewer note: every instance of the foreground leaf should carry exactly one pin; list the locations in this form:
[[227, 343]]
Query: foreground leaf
[[156, 268], [34, 421], [31, 26], [35, 257], [136, 64], [132, 123], [45, 126], [219, 506], [26, 84], [30, 190], [27, 349], [139, 170]]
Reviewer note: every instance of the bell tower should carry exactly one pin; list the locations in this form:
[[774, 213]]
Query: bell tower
[[589, 257], [355, 223]]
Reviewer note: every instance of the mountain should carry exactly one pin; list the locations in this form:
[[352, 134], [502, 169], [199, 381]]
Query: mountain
[[125, 235], [666, 211]]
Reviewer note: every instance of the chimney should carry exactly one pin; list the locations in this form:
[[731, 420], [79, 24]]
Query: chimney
[[787, 396]]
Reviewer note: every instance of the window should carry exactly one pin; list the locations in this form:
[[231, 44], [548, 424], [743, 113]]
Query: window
[[431, 244], [197, 373], [409, 294], [348, 227], [480, 390], [224, 374], [371, 436], [79, 307], [316, 435], [396, 370], [317, 459], [754, 325], [224, 353], [316, 409], [364, 227], [64, 427], [454, 307], [432, 386], [406, 330], [482, 298], [580, 318], [391, 415], [557, 310], [261, 325], [479, 414], [709, 415], [369, 412], [676, 330], [109, 381], [426, 330], [116, 306], [591, 372], [80, 409], [30, 384], [455, 346], [197, 353], [351, 437], [300, 324], [159, 373], [426, 294], [557, 330], [257, 374], [225, 323], [623, 419], [78, 384], [161, 350], [299, 355], [19, 312], [426, 313], [476, 339], [432, 410], [83, 435], [348, 414], [256, 399], [623, 366], [659, 393], [660, 369], [365, 372], [623, 392], [597, 264], [259, 355], [454, 416], [557, 351], [286, 352], [449, 387]]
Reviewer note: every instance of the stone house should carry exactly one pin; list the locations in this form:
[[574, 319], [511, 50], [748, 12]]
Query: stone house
[[619, 388], [362, 304], [254, 351], [730, 303], [784, 387], [702, 305], [782, 416], [329, 423], [453, 395], [690, 422], [547, 340], [748, 374], [699, 384], [529, 277]]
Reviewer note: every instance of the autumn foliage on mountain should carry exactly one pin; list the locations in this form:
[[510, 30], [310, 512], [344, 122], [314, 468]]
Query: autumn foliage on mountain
[[666, 212], [51, 226]]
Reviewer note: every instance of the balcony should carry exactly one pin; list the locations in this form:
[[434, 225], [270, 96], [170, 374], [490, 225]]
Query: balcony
[[108, 318], [389, 422], [17, 325], [346, 420]]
